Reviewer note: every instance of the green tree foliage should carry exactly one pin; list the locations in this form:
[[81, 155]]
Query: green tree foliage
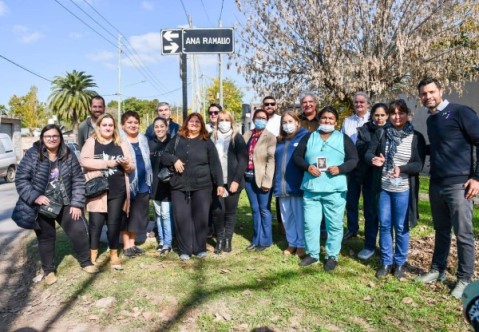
[[3, 110], [71, 95], [142, 106], [232, 96], [27, 107], [145, 108]]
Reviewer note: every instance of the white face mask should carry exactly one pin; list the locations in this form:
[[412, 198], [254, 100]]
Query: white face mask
[[224, 126], [326, 128], [289, 128]]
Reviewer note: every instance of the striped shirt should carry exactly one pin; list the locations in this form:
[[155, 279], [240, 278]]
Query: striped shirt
[[402, 157]]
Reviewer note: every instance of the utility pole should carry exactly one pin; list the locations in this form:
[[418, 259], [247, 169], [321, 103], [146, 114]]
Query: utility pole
[[119, 77], [220, 74]]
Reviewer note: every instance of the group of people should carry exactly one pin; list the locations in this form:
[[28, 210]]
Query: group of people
[[314, 171]]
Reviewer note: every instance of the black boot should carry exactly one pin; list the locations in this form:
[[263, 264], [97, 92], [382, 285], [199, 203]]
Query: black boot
[[227, 246], [219, 246]]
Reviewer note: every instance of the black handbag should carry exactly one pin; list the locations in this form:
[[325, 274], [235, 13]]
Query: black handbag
[[165, 173], [25, 215], [55, 196], [51, 210], [96, 186]]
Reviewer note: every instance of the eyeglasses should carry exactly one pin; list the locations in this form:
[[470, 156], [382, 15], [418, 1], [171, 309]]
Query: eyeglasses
[[213, 112], [51, 137], [269, 104]]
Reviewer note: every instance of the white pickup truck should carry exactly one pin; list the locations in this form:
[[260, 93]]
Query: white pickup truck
[[8, 158]]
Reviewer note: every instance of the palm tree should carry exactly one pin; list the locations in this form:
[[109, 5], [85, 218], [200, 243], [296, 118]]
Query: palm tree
[[71, 95]]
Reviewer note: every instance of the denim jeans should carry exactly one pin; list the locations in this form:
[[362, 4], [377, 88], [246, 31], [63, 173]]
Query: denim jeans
[[164, 222], [292, 214], [450, 209], [393, 215], [262, 218], [331, 205]]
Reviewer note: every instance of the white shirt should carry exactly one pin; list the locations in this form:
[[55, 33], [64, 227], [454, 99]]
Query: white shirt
[[273, 125], [351, 125]]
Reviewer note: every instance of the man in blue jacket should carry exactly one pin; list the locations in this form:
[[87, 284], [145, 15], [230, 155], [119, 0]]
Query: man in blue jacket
[[163, 111], [453, 132]]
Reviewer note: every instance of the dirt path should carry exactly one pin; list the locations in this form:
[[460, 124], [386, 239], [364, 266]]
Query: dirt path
[[24, 304]]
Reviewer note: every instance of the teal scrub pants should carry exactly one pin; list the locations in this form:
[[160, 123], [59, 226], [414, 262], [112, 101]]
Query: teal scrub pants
[[332, 206]]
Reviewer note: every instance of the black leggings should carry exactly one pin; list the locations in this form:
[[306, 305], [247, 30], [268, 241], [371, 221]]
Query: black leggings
[[224, 215], [191, 210], [77, 232], [113, 220]]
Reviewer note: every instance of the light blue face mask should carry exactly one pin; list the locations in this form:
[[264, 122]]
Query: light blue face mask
[[260, 123]]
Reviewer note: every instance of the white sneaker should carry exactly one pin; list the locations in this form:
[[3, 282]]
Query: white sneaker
[[365, 254]]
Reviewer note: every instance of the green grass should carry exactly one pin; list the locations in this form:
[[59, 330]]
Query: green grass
[[249, 290]]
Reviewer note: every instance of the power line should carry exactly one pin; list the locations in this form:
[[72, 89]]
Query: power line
[[147, 73], [138, 65], [68, 10], [206, 12], [221, 11], [184, 8], [28, 70], [101, 26]]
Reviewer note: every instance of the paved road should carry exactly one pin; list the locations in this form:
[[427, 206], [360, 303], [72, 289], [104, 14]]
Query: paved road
[[8, 197]]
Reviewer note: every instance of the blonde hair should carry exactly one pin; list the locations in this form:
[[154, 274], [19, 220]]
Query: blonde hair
[[116, 134], [230, 118]]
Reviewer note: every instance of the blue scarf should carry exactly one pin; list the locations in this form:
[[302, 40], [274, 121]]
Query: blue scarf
[[394, 137]]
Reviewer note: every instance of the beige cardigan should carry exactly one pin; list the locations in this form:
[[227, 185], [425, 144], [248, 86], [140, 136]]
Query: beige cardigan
[[263, 158], [92, 168]]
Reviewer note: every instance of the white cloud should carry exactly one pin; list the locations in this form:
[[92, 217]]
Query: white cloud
[[18, 29], [141, 50], [103, 56], [26, 36], [147, 49], [208, 60], [76, 35], [3, 8], [148, 5]]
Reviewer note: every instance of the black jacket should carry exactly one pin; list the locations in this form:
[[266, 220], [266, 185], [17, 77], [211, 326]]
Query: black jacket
[[411, 169], [202, 164], [237, 161], [32, 179], [160, 191], [364, 169]]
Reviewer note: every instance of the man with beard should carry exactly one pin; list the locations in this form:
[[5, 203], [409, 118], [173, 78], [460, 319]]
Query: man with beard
[[86, 128], [453, 132]]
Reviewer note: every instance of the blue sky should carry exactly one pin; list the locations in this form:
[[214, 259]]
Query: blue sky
[[45, 38]]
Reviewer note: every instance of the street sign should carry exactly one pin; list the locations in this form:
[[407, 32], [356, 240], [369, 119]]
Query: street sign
[[171, 41], [177, 41], [208, 40]]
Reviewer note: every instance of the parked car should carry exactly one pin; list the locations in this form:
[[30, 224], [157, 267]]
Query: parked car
[[74, 148], [8, 158]]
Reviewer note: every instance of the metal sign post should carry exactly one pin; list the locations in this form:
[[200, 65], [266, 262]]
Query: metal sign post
[[185, 41]]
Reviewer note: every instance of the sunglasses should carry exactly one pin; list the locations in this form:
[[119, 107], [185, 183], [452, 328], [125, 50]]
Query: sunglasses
[[269, 104], [213, 113]]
